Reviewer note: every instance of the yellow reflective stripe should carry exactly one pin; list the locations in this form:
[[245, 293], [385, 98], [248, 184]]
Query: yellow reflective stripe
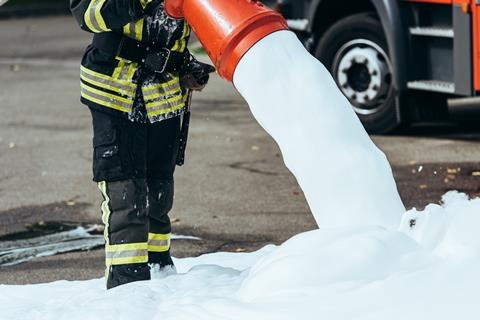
[[181, 43], [144, 3], [105, 77], [124, 70], [139, 30], [176, 46], [131, 71], [98, 16], [126, 29], [88, 17], [118, 70], [158, 242], [126, 253], [100, 98], [165, 111], [134, 30], [126, 260], [161, 94], [119, 254], [129, 30], [110, 86], [118, 99], [153, 248], [126, 247], [159, 236], [161, 85], [159, 103], [105, 218], [103, 103], [187, 33], [153, 88], [162, 111], [93, 16], [105, 209]]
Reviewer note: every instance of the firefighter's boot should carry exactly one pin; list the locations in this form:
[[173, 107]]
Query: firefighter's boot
[[126, 231], [123, 274], [160, 200]]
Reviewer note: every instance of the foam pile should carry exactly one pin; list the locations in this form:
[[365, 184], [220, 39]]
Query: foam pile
[[428, 269]]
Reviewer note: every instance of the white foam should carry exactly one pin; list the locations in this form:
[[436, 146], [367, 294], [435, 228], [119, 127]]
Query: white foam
[[347, 180], [342, 273]]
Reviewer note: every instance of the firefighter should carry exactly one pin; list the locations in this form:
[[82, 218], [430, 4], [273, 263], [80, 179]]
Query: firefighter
[[136, 79]]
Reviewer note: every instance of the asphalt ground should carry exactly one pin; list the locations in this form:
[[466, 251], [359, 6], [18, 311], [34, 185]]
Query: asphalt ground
[[234, 191]]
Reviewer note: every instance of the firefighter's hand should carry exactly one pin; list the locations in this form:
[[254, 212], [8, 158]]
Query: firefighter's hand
[[160, 29], [195, 75], [154, 7]]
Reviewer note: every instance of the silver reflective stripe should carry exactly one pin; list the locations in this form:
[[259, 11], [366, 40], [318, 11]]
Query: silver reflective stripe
[[110, 83], [107, 100], [126, 254], [161, 88], [165, 110], [132, 30], [124, 72], [166, 104], [159, 243], [93, 18]]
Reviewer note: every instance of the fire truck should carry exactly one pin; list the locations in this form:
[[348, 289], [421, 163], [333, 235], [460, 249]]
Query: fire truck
[[397, 61]]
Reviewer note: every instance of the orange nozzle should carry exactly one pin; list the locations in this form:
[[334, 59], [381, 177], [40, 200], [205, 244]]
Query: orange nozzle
[[227, 29], [174, 8]]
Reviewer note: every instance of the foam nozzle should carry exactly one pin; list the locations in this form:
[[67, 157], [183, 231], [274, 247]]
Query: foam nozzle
[[227, 29], [174, 8]]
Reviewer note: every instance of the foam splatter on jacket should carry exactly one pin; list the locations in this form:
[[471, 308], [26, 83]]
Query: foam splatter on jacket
[[111, 83]]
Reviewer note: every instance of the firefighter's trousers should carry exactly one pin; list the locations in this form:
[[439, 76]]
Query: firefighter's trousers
[[133, 164]]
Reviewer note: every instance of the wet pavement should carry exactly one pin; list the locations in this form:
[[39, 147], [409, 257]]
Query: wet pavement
[[234, 191]]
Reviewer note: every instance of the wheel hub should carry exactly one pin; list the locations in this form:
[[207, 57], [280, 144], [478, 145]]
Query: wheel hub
[[363, 73], [359, 77]]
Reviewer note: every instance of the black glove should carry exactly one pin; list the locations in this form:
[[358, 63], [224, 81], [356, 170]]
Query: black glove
[[153, 6], [161, 30], [195, 74]]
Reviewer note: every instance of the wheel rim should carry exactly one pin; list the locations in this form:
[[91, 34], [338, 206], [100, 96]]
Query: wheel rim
[[363, 73]]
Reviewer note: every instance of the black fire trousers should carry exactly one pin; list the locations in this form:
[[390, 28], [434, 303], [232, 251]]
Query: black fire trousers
[[133, 164]]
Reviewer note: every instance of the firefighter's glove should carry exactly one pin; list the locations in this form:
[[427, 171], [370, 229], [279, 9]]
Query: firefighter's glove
[[153, 7], [160, 29], [195, 75]]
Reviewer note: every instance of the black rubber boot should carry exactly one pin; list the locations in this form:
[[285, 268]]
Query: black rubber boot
[[163, 259], [161, 265], [123, 274]]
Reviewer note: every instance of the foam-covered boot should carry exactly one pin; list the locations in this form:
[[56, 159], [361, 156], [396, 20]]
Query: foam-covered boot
[[123, 274], [161, 265]]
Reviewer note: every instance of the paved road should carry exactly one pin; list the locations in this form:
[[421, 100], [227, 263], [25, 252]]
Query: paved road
[[234, 191]]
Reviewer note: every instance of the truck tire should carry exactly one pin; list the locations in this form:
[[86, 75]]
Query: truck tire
[[355, 51]]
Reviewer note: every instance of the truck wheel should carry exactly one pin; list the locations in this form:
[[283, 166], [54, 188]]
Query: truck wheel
[[355, 51]]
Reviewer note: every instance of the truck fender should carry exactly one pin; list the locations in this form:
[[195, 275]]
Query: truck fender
[[391, 19]]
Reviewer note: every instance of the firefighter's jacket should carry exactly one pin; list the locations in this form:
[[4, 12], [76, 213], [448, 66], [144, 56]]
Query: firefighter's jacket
[[110, 82]]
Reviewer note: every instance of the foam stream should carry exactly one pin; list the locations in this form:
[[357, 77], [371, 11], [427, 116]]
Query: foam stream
[[346, 179]]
